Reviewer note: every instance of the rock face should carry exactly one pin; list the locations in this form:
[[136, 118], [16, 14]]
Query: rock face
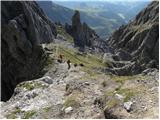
[[24, 28], [140, 38], [82, 34]]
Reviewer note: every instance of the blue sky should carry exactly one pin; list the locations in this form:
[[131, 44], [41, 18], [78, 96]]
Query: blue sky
[[102, 0]]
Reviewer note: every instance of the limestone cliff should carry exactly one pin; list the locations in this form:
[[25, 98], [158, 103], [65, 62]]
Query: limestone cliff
[[83, 35], [24, 28], [139, 40]]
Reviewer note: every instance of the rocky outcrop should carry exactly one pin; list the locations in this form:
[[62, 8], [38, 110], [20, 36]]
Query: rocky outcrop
[[82, 34], [24, 27], [74, 93], [140, 38]]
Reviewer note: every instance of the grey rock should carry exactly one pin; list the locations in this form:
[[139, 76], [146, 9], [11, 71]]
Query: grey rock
[[87, 83], [83, 35], [24, 28], [123, 55], [118, 96], [128, 105], [68, 110], [60, 37], [47, 80], [107, 57], [137, 42]]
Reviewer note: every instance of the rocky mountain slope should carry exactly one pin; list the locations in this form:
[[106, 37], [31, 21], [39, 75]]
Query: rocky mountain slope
[[91, 86], [61, 14], [24, 28], [83, 92], [138, 42]]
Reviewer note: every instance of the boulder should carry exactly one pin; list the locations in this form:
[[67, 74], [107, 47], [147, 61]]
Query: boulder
[[128, 105], [123, 55], [68, 110]]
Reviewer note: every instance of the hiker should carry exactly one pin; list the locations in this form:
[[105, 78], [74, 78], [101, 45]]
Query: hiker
[[81, 64], [68, 62], [60, 58], [75, 65]]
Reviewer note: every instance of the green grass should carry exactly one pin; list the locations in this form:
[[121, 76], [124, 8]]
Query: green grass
[[109, 93], [90, 61], [111, 103], [31, 85], [29, 114], [13, 115], [72, 101], [122, 79], [49, 61], [47, 109], [128, 93], [62, 32]]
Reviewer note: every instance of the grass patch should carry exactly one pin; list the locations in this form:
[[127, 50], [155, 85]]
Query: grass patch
[[72, 101], [110, 93], [29, 114], [104, 83], [49, 61], [13, 115], [128, 93], [31, 85], [90, 61], [111, 103], [122, 79], [47, 109], [62, 32], [87, 59]]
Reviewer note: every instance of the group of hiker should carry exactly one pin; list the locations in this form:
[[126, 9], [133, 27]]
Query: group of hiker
[[60, 60]]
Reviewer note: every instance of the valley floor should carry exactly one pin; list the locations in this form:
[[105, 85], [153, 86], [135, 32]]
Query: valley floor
[[83, 92]]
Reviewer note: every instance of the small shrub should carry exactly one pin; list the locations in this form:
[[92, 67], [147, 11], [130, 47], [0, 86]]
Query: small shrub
[[111, 103], [104, 83], [47, 109], [31, 85], [71, 101]]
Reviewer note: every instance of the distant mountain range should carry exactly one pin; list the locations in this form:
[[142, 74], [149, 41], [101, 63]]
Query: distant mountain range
[[103, 17]]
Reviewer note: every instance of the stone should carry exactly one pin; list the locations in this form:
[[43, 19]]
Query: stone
[[68, 110], [115, 57], [123, 55], [107, 57], [118, 96], [128, 105], [60, 37], [87, 83], [47, 79], [31, 95]]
